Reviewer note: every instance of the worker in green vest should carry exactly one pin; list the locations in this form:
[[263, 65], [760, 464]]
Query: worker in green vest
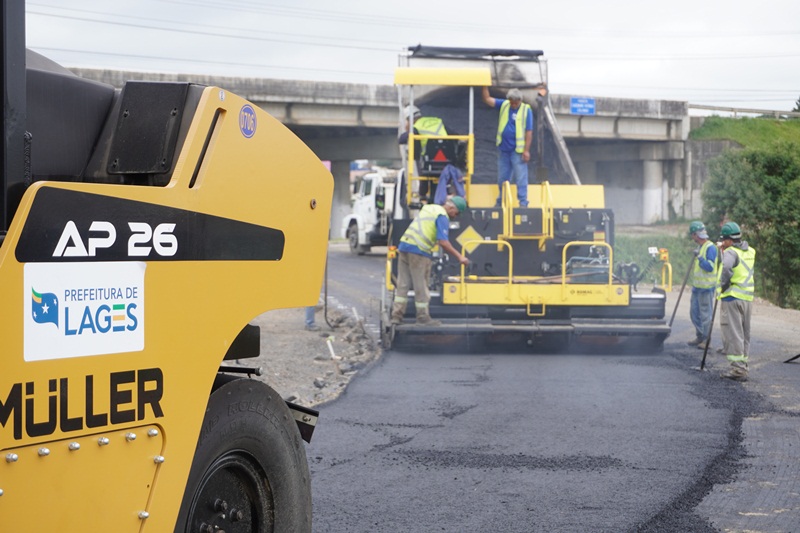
[[704, 283], [429, 230], [737, 289], [514, 138]]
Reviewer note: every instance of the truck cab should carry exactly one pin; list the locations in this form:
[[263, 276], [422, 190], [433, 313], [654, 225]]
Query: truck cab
[[368, 223]]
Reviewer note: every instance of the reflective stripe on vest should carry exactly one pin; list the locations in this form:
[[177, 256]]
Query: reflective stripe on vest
[[743, 286], [522, 115], [429, 126], [422, 231], [700, 278]]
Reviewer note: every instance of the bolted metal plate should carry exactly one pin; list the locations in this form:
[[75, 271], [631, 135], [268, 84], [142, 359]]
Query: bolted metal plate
[[81, 483]]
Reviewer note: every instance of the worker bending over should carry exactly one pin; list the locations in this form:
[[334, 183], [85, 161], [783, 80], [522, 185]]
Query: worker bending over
[[430, 228]]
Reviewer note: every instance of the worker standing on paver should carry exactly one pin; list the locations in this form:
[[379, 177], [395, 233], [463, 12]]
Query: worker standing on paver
[[514, 138], [704, 283], [737, 288], [415, 256]]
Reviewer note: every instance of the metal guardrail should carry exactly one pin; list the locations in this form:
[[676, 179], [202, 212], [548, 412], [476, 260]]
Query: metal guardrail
[[737, 110]]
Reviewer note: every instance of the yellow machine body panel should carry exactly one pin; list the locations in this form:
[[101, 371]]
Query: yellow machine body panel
[[485, 195], [499, 292], [460, 77], [564, 196], [38, 473], [240, 229]]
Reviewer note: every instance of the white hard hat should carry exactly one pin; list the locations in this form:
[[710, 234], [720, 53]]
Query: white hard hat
[[411, 109]]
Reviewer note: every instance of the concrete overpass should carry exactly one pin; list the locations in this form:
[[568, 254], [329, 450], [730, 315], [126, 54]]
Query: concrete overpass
[[635, 148]]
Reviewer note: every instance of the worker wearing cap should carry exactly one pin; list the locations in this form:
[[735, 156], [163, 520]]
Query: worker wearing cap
[[514, 137], [737, 289], [430, 228], [704, 283]]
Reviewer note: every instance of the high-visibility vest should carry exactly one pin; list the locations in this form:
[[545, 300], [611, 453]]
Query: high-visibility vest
[[702, 279], [429, 126], [743, 286], [522, 115], [422, 231]]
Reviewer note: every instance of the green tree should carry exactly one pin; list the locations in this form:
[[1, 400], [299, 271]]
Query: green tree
[[759, 189], [796, 106]]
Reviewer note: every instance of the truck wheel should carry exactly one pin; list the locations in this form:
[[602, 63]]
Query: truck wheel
[[249, 472], [352, 238]]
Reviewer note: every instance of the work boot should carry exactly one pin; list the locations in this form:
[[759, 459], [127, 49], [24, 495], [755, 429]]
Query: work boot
[[736, 374], [696, 342], [398, 310], [426, 320]]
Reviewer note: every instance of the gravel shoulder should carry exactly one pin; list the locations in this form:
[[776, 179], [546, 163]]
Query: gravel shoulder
[[312, 367]]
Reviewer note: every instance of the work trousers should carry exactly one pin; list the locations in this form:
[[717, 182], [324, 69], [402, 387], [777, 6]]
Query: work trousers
[[310, 312], [511, 167], [413, 271], [734, 322], [700, 310]]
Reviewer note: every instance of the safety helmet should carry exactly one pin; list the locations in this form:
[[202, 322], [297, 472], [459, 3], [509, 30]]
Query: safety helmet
[[696, 226], [731, 230], [460, 203], [411, 109]]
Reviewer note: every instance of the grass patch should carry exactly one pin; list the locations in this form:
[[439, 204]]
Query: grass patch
[[630, 248], [749, 132]]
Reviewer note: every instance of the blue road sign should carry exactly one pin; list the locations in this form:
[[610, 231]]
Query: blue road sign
[[579, 105]]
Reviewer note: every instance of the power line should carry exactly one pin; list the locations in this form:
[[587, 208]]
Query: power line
[[213, 34], [207, 61], [416, 23], [461, 26], [690, 57], [790, 94], [663, 88], [338, 38], [338, 44], [295, 39]]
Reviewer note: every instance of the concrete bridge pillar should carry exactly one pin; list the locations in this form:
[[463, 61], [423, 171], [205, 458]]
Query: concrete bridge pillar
[[653, 198]]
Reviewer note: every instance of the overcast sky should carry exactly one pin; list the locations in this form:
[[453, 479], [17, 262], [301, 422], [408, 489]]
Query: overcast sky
[[734, 53]]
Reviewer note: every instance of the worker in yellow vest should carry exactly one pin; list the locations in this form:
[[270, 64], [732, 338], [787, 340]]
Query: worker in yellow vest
[[427, 231], [737, 289], [422, 126], [514, 138], [704, 283]]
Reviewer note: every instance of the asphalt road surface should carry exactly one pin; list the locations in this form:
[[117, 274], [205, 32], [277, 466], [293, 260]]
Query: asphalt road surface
[[525, 442]]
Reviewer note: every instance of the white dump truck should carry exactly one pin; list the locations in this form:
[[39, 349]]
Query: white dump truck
[[373, 198]]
